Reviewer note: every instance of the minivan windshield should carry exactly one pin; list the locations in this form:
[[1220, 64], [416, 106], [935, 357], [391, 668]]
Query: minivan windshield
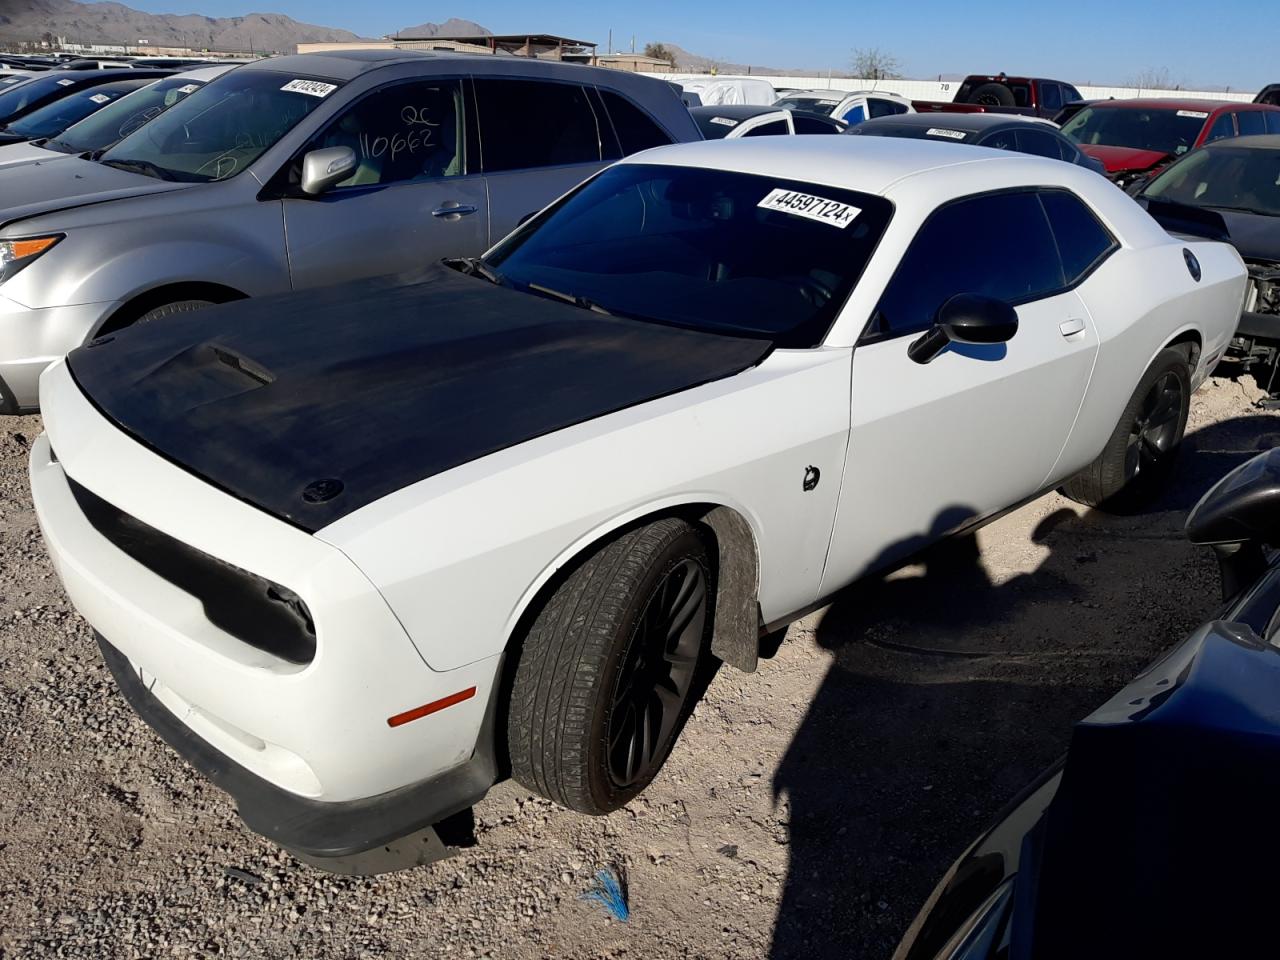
[[117, 120], [1160, 129], [222, 128], [1223, 178], [55, 117], [733, 253]]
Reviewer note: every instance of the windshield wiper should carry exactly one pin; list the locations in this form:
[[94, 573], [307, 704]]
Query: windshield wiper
[[475, 267], [144, 167], [1223, 206], [578, 301]]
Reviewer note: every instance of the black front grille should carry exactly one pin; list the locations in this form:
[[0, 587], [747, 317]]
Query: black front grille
[[262, 614]]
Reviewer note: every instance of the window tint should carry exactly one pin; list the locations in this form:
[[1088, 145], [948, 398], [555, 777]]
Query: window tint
[[1018, 260], [1051, 94], [1039, 143], [1070, 93], [528, 123], [1082, 240], [885, 108], [775, 128], [1000, 140], [636, 130], [1273, 120], [1251, 123], [1222, 127], [813, 125], [403, 132]]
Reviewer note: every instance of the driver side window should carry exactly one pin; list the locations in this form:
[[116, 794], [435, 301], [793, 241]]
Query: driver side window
[[401, 133], [997, 245]]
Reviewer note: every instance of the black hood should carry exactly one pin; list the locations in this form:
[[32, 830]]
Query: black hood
[[312, 405]]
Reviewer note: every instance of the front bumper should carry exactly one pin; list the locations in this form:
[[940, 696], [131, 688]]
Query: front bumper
[[312, 828], [312, 740], [30, 340]]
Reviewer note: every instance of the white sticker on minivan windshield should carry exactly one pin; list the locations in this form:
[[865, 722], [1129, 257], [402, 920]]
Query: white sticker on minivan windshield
[[65, 83], [949, 134], [831, 212], [312, 88], [1197, 114], [724, 121], [189, 88], [99, 98]]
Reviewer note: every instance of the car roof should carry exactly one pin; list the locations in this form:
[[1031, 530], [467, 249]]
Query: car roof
[[966, 122], [866, 164], [736, 111], [1262, 141], [1173, 103], [206, 73]]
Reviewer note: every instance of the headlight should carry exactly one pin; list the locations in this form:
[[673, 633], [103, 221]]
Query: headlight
[[16, 254]]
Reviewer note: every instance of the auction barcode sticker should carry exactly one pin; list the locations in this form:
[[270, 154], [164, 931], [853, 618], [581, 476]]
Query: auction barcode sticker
[[831, 212], [65, 83], [312, 88], [189, 88], [99, 98], [724, 121], [1197, 114], [949, 134]]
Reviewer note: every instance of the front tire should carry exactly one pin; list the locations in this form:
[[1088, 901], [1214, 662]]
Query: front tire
[[610, 668], [1142, 449], [172, 309]]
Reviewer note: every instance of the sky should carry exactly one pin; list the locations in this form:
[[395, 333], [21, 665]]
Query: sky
[[1088, 41]]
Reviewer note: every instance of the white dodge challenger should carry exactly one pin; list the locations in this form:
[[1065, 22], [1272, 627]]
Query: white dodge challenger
[[358, 553]]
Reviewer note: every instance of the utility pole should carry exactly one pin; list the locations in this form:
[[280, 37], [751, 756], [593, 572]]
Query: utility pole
[[611, 40], [633, 43]]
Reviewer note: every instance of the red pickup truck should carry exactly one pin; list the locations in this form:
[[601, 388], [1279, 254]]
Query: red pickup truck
[[1032, 96]]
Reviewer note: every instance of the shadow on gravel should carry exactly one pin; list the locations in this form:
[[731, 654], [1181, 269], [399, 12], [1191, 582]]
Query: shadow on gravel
[[949, 692]]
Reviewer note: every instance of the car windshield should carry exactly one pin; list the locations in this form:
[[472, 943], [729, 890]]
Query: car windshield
[[55, 117], [222, 128], [712, 250], [19, 97], [812, 104], [117, 120], [1160, 129], [1223, 178]]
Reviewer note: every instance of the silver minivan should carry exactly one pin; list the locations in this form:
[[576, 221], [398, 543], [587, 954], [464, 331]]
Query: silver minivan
[[301, 171]]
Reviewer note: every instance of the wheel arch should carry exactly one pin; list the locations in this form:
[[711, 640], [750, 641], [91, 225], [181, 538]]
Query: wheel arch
[[1190, 338], [736, 622], [141, 303]]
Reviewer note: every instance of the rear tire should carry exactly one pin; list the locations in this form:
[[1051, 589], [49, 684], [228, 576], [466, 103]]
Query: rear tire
[[1143, 448], [170, 309], [610, 668]]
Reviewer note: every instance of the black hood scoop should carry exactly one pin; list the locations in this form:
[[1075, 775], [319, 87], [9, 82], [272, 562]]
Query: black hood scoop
[[312, 405]]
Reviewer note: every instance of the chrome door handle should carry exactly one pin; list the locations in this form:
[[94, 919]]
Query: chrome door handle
[[1071, 327], [453, 211]]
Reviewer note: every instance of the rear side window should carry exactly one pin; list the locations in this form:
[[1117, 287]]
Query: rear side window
[[530, 123], [775, 128], [635, 129], [1051, 93], [1222, 127], [1082, 240], [1012, 257], [1251, 123], [814, 125], [1273, 120], [885, 108], [1039, 143]]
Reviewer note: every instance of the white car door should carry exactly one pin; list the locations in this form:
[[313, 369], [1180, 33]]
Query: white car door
[[979, 428]]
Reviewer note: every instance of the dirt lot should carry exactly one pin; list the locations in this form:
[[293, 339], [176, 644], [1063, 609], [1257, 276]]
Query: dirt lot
[[807, 812]]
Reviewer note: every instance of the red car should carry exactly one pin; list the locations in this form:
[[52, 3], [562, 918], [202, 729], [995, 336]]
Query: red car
[[1136, 138]]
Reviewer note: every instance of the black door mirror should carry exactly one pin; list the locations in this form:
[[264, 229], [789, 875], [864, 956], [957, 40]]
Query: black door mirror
[[1238, 517], [966, 318]]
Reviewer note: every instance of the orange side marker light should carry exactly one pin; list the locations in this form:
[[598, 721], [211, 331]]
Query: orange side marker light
[[434, 706]]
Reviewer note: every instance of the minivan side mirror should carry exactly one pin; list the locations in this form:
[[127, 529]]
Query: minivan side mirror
[[322, 169], [966, 318], [1238, 517]]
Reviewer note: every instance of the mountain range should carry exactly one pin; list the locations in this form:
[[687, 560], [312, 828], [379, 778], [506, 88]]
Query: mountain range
[[115, 23]]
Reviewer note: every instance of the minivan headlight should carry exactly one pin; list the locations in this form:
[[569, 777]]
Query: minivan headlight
[[16, 254]]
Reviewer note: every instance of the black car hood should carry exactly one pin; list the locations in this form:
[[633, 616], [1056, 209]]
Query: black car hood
[[312, 405]]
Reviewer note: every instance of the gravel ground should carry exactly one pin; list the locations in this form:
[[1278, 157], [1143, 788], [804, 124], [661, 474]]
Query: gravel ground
[[807, 811]]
